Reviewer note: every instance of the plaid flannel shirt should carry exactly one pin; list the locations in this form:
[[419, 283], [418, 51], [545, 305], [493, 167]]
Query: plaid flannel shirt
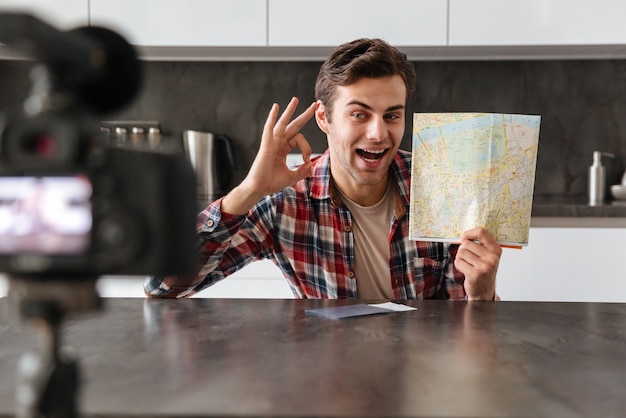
[[307, 232]]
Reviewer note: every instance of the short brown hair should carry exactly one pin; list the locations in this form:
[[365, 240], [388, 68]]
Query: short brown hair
[[360, 58]]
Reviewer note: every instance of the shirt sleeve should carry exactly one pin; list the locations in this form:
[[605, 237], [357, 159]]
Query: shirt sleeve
[[226, 243], [453, 288]]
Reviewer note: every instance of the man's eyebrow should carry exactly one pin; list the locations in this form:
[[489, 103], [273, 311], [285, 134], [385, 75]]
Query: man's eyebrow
[[368, 107]]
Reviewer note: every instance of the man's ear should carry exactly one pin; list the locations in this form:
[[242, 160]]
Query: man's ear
[[321, 117]]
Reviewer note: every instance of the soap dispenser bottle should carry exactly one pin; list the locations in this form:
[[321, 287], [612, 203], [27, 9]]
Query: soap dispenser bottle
[[597, 178]]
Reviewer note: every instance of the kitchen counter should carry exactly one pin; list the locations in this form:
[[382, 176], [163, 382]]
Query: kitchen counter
[[262, 358], [576, 212], [576, 207]]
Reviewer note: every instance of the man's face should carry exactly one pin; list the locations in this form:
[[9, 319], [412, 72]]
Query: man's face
[[364, 132]]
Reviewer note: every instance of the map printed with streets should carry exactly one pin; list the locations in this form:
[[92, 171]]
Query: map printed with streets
[[473, 169]]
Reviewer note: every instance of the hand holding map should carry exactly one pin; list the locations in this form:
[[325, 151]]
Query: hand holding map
[[473, 169]]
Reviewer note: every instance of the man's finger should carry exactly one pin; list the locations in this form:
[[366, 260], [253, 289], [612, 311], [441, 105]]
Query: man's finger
[[298, 123], [271, 120], [300, 142], [283, 121]]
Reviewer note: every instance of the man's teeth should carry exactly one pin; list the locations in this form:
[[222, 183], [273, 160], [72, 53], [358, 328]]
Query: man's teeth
[[371, 155]]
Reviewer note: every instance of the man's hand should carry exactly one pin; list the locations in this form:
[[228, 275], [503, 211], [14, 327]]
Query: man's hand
[[269, 172], [478, 258]]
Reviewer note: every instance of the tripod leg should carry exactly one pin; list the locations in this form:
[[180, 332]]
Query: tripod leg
[[47, 383]]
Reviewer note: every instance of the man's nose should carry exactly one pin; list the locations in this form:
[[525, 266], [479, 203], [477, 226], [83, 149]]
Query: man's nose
[[377, 129]]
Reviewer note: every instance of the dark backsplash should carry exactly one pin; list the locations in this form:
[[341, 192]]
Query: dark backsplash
[[582, 105]]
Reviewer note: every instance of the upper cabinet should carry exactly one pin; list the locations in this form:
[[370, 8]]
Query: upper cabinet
[[313, 23], [185, 23], [62, 14], [536, 22], [309, 29]]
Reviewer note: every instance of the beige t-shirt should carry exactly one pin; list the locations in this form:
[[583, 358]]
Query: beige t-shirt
[[371, 226]]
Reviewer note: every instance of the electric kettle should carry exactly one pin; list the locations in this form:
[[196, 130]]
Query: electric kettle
[[213, 160]]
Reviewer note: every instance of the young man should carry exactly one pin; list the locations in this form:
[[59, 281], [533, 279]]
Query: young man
[[338, 226]]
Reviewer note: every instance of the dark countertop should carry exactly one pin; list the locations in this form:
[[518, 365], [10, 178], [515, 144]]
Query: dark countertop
[[261, 358], [576, 207]]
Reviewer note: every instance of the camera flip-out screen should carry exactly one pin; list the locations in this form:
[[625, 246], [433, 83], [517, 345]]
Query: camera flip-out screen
[[45, 215]]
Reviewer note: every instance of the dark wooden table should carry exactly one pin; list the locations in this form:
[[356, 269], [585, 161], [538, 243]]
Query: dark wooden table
[[225, 357]]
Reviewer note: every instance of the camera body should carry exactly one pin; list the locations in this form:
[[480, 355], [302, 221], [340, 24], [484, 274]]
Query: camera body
[[71, 204]]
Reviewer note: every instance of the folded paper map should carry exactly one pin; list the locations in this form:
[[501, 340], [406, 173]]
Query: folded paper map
[[473, 169]]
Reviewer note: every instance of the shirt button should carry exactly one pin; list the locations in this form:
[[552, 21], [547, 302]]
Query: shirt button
[[347, 228], [350, 274], [209, 222]]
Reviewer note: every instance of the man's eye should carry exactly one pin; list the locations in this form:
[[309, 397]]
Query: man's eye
[[358, 115], [392, 116]]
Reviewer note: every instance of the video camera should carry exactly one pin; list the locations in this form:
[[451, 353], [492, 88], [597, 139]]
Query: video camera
[[72, 205]]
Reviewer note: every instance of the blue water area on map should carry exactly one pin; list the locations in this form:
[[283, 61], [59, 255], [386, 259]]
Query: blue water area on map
[[476, 142], [479, 122]]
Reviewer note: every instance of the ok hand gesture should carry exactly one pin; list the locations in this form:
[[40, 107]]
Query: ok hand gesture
[[269, 172]]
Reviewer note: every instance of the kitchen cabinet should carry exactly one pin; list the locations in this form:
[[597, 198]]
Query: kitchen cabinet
[[566, 265], [187, 23], [219, 30], [560, 264], [536, 22], [63, 14], [329, 22], [259, 280]]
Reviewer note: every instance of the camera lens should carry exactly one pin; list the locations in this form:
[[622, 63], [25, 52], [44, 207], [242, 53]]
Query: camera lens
[[45, 142], [39, 144]]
